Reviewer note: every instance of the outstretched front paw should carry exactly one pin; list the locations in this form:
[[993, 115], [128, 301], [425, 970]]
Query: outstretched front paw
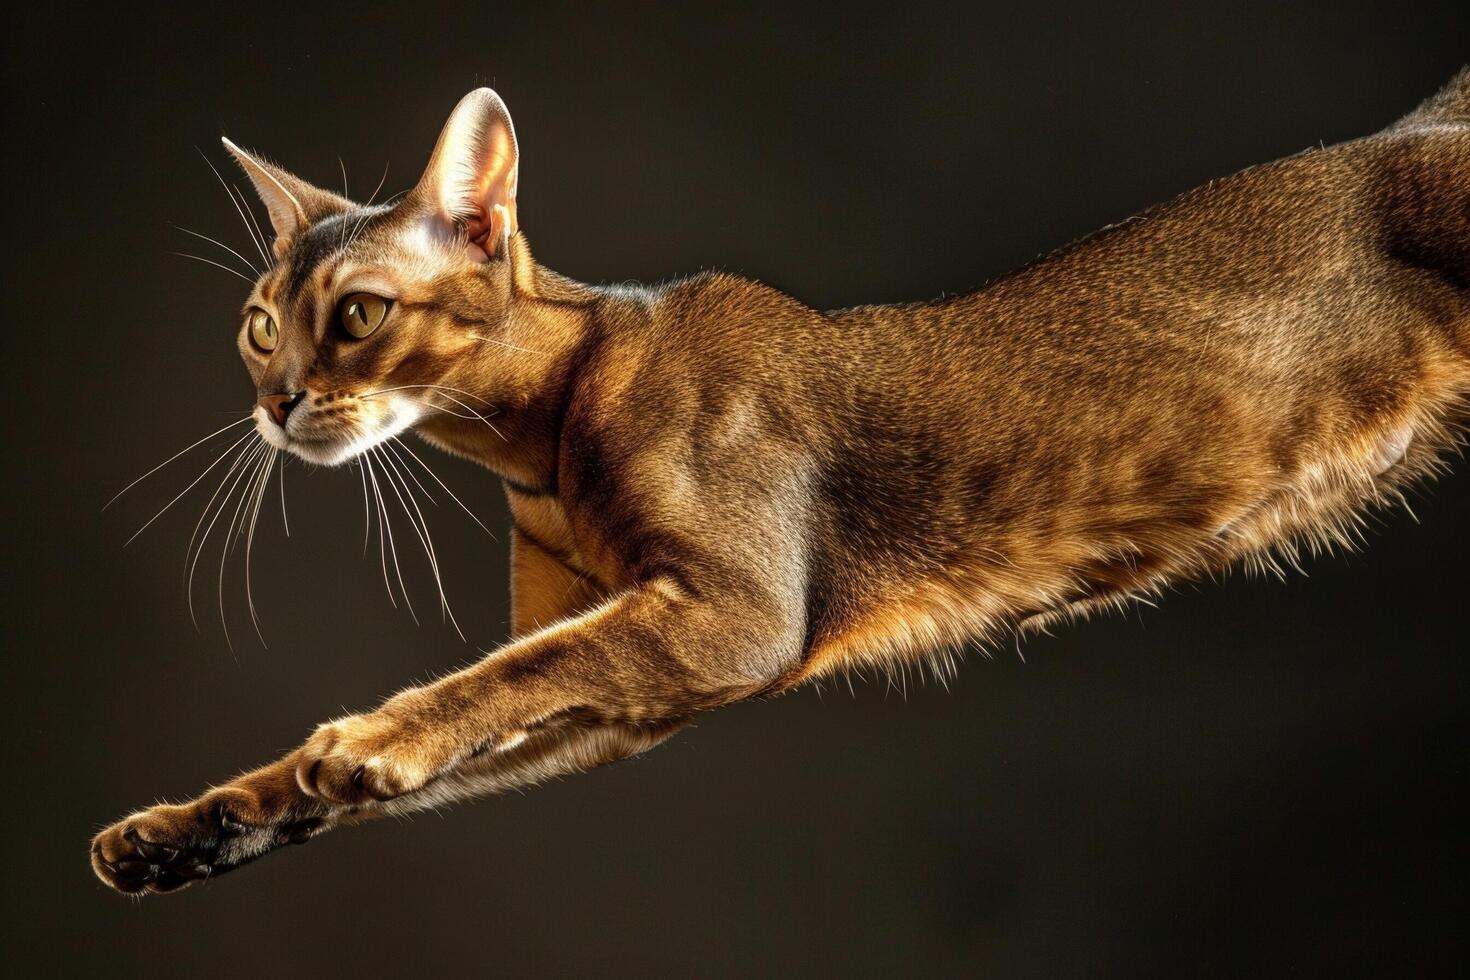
[[166, 847], [362, 758]]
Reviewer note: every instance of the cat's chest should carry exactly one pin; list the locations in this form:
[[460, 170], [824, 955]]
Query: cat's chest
[[543, 519]]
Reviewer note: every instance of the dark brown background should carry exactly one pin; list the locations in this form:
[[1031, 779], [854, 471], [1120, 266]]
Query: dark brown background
[[1254, 779]]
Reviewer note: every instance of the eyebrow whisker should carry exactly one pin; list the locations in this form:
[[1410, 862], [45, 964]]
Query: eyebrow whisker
[[215, 241], [259, 241], [217, 265], [259, 234]]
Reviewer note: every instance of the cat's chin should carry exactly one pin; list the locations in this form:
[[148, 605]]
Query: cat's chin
[[332, 450], [322, 452]]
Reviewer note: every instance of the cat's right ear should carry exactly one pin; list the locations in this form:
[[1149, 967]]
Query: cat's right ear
[[292, 203]]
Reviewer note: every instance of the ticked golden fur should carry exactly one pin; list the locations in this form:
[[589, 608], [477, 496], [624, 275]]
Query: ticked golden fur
[[719, 492]]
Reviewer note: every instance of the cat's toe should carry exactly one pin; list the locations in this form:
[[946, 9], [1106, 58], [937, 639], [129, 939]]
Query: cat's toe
[[166, 847], [358, 760], [159, 850]]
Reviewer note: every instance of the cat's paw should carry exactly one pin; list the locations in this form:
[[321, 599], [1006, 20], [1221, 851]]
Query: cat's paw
[[167, 847], [363, 758]]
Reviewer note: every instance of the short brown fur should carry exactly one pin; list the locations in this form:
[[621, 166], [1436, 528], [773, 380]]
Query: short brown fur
[[721, 493]]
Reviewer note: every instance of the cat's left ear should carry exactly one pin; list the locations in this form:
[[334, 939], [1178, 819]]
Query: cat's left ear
[[293, 204], [470, 182]]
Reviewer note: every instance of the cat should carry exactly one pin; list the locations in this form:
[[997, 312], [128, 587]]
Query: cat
[[720, 493]]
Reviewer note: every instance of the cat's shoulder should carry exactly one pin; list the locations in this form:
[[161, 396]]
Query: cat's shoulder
[[718, 296]]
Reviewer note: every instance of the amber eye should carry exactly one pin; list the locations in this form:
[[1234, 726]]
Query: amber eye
[[263, 333], [362, 313]]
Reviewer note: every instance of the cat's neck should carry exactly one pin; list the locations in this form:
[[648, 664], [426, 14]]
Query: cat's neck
[[513, 427]]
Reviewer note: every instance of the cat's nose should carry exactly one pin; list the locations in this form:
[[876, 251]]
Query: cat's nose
[[279, 406]]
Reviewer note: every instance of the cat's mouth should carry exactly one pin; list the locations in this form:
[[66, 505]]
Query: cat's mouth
[[332, 442]]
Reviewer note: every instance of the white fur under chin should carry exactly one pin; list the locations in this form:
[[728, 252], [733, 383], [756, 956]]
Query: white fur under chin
[[397, 416]]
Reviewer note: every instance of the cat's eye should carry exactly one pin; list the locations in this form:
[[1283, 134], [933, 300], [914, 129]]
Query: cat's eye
[[362, 313], [263, 332]]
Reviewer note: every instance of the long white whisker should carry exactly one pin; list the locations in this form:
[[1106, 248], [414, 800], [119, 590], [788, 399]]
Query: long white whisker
[[424, 537], [387, 523], [227, 547], [248, 460], [442, 391], [250, 541], [476, 414], [500, 343], [393, 550], [367, 214], [259, 234], [342, 237], [220, 177], [367, 523], [285, 521], [174, 457], [187, 489], [412, 475], [240, 458], [408, 449], [382, 552], [217, 265], [215, 241], [458, 391], [441, 408]]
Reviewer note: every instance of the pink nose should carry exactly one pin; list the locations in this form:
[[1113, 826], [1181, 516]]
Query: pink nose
[[279, 406]]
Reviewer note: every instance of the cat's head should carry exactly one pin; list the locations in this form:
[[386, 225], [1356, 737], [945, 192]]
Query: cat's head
[[373, 317]]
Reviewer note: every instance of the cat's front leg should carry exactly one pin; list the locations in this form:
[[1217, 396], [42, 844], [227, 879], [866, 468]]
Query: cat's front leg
[[645, 658]]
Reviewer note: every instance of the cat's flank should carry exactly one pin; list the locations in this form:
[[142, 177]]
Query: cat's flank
[[720, 493]]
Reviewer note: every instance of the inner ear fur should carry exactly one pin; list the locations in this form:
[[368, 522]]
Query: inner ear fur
[[469, 185]]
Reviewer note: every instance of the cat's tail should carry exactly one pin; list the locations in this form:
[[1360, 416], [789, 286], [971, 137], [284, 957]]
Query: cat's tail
[[1449, 106]]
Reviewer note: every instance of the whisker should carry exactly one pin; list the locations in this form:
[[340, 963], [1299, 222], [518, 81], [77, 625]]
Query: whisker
[[240, 458], [342, 238], [441, 408], [409, 449], [249, 460], [227, 547], [393, 550], [366, 519], [217, 265], [248, 264], [188, 488], [459, 391], [250, 541], [423, 534], [366, 215], [259, 234], [174, 457], [285, 521], [500, 343], [382, 554], [476, 414], [220, 177], [442, 390], [412, 475]]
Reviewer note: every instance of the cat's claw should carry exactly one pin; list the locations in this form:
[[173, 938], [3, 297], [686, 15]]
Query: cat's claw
[[167, 847]]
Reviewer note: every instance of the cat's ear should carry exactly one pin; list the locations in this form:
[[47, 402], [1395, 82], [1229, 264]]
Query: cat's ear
[[292, 203], [470, 182]]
